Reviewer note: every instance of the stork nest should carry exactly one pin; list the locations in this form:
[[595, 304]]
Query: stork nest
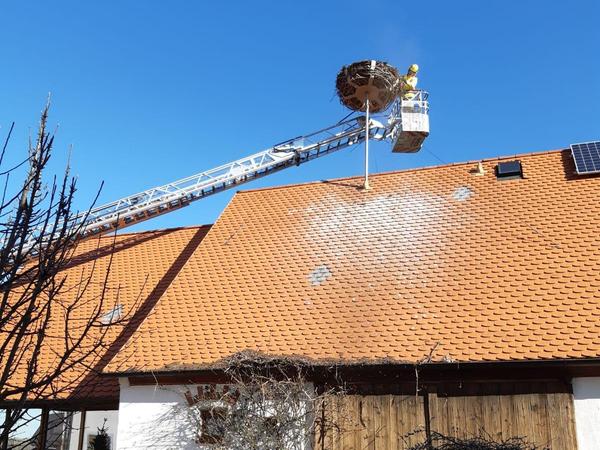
[[375, 80]]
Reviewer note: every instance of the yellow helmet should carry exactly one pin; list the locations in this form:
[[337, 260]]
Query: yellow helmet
[[414, 68]]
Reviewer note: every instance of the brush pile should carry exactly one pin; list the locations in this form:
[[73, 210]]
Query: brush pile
[[441, 442]]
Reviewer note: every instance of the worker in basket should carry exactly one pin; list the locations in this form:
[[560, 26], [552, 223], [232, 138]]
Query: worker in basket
[[408, 83]]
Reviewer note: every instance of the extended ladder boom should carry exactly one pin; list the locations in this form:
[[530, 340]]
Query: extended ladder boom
[[159, 200]]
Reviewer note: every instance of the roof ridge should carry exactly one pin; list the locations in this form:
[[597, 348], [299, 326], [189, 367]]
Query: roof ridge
[[409, 170]]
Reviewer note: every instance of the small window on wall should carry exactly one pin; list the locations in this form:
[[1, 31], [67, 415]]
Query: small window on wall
[[212, 428]]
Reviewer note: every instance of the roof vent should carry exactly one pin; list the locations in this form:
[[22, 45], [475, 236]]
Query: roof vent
[[112, 316], [509, 170]]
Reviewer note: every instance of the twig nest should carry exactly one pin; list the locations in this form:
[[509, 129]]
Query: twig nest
[[375, 80]]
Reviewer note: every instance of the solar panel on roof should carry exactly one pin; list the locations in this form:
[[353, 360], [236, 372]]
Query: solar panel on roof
[[587, 157]]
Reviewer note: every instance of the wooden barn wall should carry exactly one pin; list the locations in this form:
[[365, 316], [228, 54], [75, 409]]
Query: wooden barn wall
[[544, 418], [372, 422], [540, 412]]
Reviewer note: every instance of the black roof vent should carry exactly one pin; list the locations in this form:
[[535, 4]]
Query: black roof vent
[[509, 170]]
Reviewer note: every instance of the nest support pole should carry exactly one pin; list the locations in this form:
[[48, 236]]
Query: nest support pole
[[366, 185]]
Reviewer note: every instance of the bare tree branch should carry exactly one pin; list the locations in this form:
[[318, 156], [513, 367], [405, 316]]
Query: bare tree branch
[[52, 332]]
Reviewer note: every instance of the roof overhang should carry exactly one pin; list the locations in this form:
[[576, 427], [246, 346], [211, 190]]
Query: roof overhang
[[434, 372]]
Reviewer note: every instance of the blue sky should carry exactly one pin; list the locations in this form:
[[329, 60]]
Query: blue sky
[[149, 92]]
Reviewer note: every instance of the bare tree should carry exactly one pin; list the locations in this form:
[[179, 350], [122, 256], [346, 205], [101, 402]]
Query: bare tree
[[267, 404], [51, 327]]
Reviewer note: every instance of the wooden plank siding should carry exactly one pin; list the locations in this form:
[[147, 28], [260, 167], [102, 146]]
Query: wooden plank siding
[[372, 422], [385, 421], [544, 418]]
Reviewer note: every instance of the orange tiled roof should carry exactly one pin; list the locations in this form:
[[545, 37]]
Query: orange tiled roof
[[141, 268], [488, 270]]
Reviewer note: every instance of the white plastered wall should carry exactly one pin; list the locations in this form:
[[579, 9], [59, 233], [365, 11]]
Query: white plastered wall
[[158, 417], [153, 417], [586, 395]]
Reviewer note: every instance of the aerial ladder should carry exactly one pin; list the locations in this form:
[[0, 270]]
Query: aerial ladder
[[406, 125], [159, 200]]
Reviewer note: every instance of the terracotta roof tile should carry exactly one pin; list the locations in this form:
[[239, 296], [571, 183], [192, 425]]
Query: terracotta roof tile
[[140, 265], [489, 270]]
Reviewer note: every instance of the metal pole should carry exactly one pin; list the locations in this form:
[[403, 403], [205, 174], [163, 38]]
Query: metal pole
[[367, 187]]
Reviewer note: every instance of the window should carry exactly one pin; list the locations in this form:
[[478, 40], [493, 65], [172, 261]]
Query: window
[[25, 434], [63, 430], [91, 441], [95, 421], [212, 428]]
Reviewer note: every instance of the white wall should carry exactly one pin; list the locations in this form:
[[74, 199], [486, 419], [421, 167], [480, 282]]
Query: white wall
[[152, 417], [586, 395], [159, 417]]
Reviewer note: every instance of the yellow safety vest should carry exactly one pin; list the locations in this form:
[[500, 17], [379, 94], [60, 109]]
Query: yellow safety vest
[[409, 83]]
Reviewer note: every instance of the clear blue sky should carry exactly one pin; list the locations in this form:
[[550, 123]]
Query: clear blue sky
[[149, 92]]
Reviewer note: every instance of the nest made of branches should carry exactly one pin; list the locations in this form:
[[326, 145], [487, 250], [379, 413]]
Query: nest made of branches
[[251, 365], [376, 80], [254, 359], [442, 442]]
